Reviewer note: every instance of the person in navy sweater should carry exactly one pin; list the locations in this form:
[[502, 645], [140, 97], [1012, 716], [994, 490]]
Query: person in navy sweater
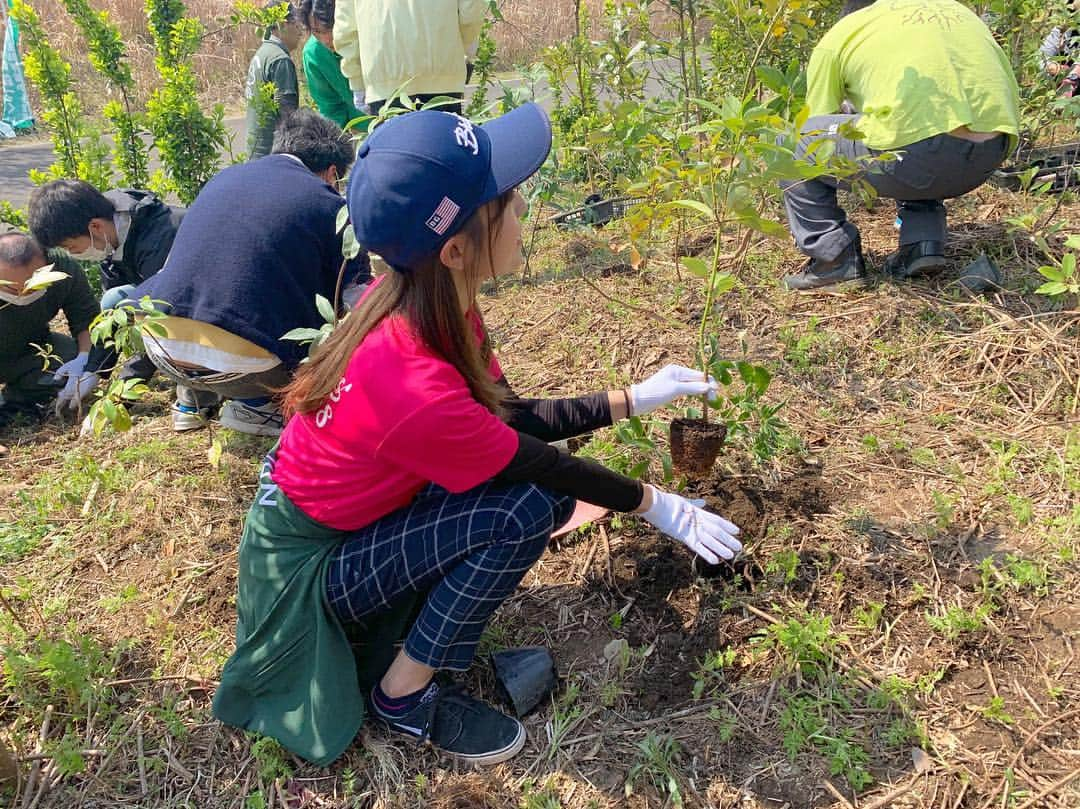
[[257, 246]]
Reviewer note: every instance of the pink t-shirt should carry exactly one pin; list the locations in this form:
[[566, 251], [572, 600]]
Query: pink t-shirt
[[401, 417]]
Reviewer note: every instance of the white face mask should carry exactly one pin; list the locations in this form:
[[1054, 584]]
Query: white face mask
[[21, 300], [93, 253]]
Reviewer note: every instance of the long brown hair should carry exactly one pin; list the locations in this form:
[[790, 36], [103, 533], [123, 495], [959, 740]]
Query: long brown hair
[[428, 299]]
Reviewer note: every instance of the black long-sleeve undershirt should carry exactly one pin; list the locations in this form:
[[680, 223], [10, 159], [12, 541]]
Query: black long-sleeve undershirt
[[538, 421], [582, 478], [555, 419]]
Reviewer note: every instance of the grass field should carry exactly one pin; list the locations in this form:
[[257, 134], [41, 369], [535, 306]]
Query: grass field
[[902, 634]]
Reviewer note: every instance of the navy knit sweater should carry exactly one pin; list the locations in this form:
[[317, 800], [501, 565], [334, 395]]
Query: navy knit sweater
[[256, 247]]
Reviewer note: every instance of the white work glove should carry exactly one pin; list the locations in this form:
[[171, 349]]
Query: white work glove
[[80, 383], [708, 535], [668, 384]]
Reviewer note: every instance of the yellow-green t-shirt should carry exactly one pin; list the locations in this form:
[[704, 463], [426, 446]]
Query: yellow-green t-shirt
[[914, 69]]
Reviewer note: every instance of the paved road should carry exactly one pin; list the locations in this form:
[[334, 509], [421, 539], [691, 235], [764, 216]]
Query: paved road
[[18, 159]]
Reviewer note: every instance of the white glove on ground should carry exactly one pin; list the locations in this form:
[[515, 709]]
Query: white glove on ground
[[80, 383], [668, 384], [708, 535]]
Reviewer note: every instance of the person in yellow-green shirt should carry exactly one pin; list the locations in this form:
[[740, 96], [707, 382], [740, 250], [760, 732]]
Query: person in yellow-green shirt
[[927, 81], [416, 47]]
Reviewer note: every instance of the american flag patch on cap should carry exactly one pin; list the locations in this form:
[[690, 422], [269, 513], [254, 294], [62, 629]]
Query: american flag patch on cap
[[443, 216]]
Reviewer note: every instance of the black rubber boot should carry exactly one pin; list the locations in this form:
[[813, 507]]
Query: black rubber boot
[[846, 268], [919, 258]]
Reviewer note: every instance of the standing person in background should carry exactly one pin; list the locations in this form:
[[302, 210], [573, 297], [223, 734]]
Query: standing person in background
[[1060, 51], [413, 46], [322, 66], [272, 65]]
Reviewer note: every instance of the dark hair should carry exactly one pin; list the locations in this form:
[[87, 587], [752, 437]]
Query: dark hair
[[317, 15], [851, 6], [63, 209], [317, 141], [427, 298], [18, 249]]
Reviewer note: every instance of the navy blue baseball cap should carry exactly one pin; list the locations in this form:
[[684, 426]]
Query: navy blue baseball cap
[[420, 176]]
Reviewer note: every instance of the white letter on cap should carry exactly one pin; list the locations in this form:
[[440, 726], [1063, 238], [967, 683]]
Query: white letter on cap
[[465, 135]]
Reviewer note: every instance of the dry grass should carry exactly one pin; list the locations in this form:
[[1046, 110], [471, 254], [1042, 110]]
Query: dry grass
[[938, 431], [220, 65]]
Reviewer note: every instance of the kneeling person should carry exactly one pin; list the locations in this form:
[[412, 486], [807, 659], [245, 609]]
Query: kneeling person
[[412, 490], [930, 82], [257, 246], [30, 352], [129, 231]]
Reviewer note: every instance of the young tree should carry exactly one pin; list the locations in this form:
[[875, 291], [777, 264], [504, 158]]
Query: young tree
[[188, 140], [52, 75], [108, 55]]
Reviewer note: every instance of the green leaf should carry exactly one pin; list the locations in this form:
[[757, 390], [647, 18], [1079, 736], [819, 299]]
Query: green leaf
[[121, 422], [723, 282], [1068, 264], [44, 277], [1053, 273], [1073, 242], [771, 78], [350, 248], [710, 106], [695, 265], [762, 377], [213, 454], [301, 335], [695, 205], [326, 309], [1052, 288]]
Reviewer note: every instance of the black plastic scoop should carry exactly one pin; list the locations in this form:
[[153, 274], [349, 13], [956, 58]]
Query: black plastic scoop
[[526, 675]]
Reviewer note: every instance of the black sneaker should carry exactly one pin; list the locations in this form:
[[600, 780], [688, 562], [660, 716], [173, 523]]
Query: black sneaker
[[460, 725], [920, 258], [846, 268]]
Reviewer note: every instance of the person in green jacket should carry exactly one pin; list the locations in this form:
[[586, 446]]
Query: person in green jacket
[[322, 65]]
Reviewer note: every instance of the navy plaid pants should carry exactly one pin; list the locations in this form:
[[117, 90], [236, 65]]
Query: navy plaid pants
[[468, 551]]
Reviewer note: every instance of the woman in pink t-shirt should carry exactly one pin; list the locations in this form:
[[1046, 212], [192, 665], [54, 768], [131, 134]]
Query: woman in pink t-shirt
[[406, 438]]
